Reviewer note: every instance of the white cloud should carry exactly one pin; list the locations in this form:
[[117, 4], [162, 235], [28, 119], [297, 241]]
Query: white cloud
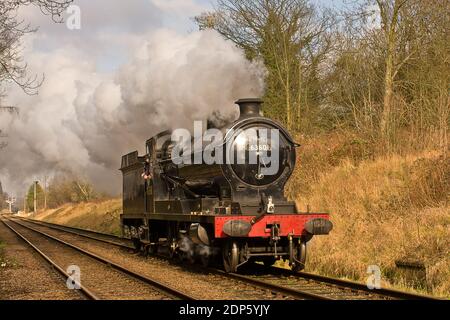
[[179, 7]]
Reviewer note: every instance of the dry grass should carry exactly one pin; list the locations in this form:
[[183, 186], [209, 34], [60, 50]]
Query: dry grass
[[383, 210], [103, 216], [2, 246]]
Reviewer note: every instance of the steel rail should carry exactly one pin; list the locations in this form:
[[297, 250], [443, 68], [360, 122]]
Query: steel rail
[[298, 294], [386, 292], [80, 232], [69, 227], [344, 284], [240, 278], [163, 288], [88, 293]]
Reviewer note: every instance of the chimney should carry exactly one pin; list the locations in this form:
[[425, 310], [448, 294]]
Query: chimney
[[250, 107]]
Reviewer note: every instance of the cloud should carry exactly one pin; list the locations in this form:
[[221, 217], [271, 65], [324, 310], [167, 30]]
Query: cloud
[[180, 7], [108, 29], [178, 14]]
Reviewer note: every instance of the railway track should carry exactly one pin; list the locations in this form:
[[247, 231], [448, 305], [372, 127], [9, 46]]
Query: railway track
[[351, 288], [276, 280], [259, 290], [89, 234], [101, 278], [325, 287], [86, 293]]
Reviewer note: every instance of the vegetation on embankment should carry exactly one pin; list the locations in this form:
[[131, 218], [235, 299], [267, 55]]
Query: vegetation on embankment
[[384, 209], [2, 262], [62, 189], [100, 215]]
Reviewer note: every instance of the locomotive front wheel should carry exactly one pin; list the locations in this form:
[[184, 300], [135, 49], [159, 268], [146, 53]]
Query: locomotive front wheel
[[230, 254], [299, 265]]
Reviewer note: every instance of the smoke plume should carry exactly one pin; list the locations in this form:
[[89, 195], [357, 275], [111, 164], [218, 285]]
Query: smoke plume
[[83, 121]]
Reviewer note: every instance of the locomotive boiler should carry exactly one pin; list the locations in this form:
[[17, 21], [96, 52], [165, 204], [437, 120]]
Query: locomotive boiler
[[233, 209]]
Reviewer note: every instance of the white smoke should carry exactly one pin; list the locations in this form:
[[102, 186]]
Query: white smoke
[[83, 121]]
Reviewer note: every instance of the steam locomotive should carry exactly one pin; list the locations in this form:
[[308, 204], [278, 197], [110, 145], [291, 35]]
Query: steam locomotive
[[231, 212]]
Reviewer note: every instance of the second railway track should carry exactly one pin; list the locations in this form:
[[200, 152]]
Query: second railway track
[[100, 277], [279, 281]]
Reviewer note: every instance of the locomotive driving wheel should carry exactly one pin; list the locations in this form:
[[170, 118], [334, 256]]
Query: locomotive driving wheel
[[300, 256], [230, 254]]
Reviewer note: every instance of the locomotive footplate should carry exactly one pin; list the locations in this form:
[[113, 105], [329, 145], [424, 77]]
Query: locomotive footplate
[[300, 224]]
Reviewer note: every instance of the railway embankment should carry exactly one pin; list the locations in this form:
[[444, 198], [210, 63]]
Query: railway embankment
[[100, 215], [390, 212]]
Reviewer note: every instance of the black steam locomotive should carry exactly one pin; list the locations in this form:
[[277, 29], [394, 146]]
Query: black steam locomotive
[[230, 210]]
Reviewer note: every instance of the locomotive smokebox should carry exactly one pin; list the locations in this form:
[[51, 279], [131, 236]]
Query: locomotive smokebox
[[250, 107]]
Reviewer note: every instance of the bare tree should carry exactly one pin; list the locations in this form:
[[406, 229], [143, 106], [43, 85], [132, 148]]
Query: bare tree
[[65, 188], [391, 18], [382, 73], [391, 71], [12, 67], [289, 36], [3, 135]]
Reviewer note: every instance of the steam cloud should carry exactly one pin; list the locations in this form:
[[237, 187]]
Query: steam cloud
[[83, 121]]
